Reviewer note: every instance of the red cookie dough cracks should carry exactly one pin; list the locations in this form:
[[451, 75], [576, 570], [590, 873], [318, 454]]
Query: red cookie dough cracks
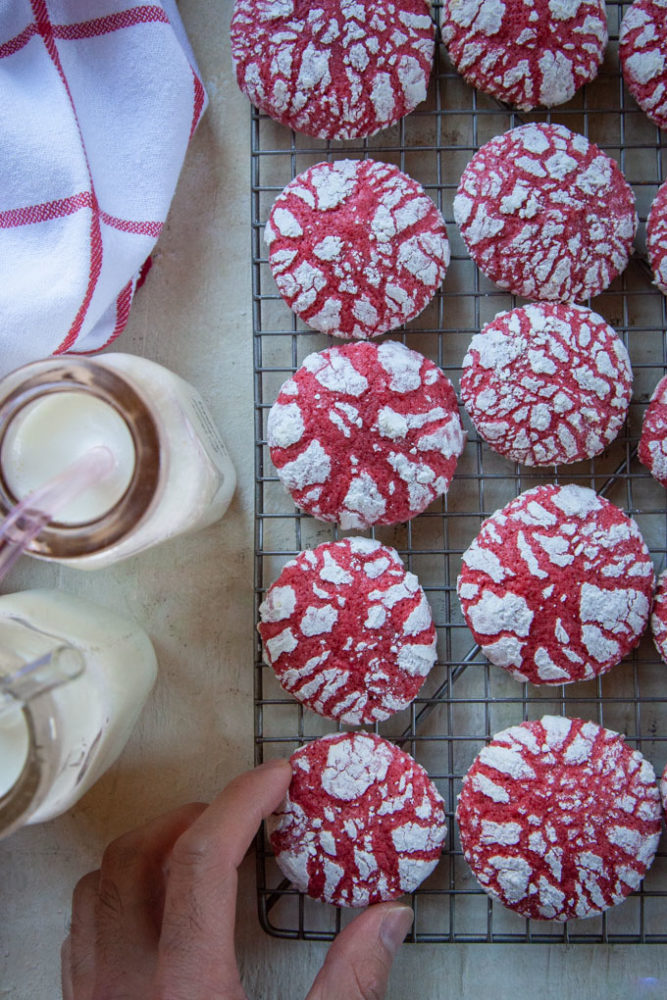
[[366, 434], [557, 586], [656, 236], [653, 440], [659, 616], [362, 821], [559, 819], [547, 384], [337, 69], [348, 631], [526, 54], [356, 247], [546, 214], [642, 48]]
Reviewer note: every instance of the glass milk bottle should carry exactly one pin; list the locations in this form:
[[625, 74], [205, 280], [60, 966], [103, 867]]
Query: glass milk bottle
[[172, 471], [73, 679]]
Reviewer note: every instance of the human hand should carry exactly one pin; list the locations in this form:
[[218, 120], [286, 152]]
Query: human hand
[[156, 922]]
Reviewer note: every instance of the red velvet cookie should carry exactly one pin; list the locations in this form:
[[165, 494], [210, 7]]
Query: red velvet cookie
[[546, 214], [348, 631], [559, 818], [656, 237], [366, 434], [557, 586], [659, 616], [547, 383], [653, 440], [362, 821], [356, 247], [526, 54], [663, 791], [642, 48], [337, 69]]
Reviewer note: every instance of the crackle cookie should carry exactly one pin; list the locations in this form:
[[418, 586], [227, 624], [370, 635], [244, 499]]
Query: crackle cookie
[[362, 821], [546, 214], [547, 383], [526, 54], [557, 586], [356, 247], [365, 434], [653, 440], [656, 236], [559, 818], [659, 616], [642, 49], [337, 69], [348, 631]]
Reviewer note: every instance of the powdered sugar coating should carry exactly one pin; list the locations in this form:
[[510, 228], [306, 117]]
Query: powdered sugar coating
[[366, 434], [557, 586], [559, 818], [348, 631], [526, 54], [362, 821], [659, 616], [547, 383], [642, 48], [656, 237], [653, 440], [663, 791], [546, 214], [337, 69], [356, 247]]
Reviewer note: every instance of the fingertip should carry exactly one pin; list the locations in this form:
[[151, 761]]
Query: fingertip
[[395, 925]]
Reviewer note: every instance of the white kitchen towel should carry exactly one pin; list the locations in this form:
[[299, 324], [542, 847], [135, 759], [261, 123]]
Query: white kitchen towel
[[98, 101]]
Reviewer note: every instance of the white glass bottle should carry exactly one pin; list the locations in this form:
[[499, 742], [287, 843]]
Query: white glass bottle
[[173, 473], [63, 724]]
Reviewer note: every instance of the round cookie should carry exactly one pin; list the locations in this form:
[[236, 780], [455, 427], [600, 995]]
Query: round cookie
[[546, 214], [653, 440], [362, 821], [526, 54], [547, 383], [659, 616], [559, 818], [642, 49], [656, 238], [335, 69], [365, 434], [557, 586], [356, 247], [348, 631]]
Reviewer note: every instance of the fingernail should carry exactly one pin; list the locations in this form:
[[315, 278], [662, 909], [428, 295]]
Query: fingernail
[[395, 926]]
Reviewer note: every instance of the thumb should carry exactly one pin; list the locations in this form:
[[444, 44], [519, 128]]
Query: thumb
[[359, 961]]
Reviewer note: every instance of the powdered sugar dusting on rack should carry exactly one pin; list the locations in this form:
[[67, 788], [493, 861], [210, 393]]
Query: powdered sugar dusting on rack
[[337, 69], [557, 586], [362, 821], [559, 819], [356, 247], [527, 54], [546, 214], [547, 383]]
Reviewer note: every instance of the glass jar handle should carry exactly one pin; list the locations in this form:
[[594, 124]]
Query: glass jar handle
[[53, 669]]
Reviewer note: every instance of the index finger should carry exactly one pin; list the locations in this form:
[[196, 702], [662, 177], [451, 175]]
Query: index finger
[[196, 956]]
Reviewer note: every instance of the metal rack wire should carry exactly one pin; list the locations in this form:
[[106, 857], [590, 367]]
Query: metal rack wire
[[465, 700]]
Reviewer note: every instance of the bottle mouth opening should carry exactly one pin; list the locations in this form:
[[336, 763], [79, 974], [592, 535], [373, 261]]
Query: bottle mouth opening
[[36, 381]]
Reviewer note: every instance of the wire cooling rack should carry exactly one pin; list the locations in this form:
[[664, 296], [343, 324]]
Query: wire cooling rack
[[465, 699]]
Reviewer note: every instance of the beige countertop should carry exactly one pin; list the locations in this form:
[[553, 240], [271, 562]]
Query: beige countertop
[[194, 595]]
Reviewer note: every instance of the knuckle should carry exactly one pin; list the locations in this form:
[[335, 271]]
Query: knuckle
[[109, 899]]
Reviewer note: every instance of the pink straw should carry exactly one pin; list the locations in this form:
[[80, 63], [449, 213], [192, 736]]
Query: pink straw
[[25, 521]]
